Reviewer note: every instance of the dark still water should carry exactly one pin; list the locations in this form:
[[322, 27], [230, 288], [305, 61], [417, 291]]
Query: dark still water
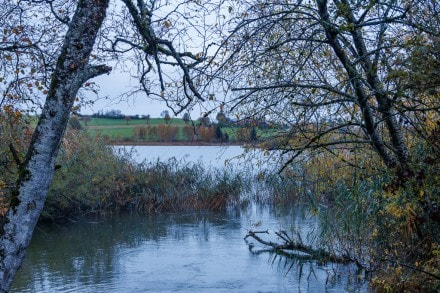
[[196, 252]]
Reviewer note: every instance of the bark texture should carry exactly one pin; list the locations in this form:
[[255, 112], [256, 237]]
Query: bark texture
[[37, 170]]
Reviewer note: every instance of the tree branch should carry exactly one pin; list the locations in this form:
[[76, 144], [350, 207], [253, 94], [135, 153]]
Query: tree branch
[[318, 254], [15, 154], [94, 71]]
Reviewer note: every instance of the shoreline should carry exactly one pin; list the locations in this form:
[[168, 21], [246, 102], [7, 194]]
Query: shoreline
[[173, 143]]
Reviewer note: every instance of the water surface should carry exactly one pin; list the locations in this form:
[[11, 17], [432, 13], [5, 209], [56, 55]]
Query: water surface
[[188, 252], [202, 252], [236, 157]]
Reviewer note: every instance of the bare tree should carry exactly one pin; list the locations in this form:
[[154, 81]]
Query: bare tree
[[167, 45], [85, 119], [127, 119], [186, 118], [326, 69], [166, 116]]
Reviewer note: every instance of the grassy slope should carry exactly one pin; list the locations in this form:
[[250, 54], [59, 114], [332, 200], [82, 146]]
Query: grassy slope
[[105, 122], [121, 130]]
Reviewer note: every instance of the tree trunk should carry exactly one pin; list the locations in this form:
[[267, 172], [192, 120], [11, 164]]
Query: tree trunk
[[36, 171], [385, 107], [356, 83]]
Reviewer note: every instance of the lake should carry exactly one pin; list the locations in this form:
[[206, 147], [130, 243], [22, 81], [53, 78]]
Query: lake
[[175, 252], [210, 156]]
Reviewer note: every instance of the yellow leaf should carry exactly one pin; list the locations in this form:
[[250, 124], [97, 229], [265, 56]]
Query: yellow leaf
[[199, 55]]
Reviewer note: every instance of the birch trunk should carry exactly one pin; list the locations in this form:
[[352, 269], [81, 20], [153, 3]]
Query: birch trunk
[[36, 171]]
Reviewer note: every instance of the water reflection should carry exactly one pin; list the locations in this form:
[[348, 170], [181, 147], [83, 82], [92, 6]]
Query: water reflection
[[168, 252]]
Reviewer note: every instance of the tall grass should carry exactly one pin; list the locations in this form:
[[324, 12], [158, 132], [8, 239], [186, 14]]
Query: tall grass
[[92, 178], [387, 225]]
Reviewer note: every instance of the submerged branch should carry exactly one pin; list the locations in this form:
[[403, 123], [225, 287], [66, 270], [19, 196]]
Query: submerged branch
[[289, 244]]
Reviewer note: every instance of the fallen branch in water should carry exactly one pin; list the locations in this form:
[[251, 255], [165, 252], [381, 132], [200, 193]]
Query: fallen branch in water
[[291, 245]]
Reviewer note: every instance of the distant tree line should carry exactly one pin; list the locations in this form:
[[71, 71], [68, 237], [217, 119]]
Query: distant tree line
[[170, 133], [203, 129], [115, 114]]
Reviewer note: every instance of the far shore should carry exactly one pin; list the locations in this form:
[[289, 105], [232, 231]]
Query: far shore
[[174, 143]]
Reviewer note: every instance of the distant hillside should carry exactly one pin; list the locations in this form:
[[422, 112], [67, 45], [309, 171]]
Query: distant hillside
[[158, 130]]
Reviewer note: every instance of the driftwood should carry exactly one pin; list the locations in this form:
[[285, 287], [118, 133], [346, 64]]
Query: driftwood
[[302, 251]]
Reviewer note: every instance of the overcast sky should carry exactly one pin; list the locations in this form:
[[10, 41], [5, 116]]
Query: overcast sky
[[113, 86]]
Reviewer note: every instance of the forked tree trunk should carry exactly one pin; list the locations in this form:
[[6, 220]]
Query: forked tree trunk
[[399, 147], [397, 154], [36, 171]]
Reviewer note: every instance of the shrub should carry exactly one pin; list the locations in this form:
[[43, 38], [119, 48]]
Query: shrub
[[386, 222], [15, 132]]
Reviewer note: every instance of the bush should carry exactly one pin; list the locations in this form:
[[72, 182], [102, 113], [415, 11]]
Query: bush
[[15, 132], [86, 177], [386, 222]]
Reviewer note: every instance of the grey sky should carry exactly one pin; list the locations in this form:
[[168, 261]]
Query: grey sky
[[111, 92]]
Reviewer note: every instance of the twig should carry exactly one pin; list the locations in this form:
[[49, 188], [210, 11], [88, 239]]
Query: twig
[[14, 154], [414, 268]]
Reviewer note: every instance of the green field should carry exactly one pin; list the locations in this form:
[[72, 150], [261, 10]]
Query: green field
[[104, 122], [121, 130]]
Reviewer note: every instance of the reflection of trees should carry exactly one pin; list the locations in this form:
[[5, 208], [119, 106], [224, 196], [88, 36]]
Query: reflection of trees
[[87, 252]]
